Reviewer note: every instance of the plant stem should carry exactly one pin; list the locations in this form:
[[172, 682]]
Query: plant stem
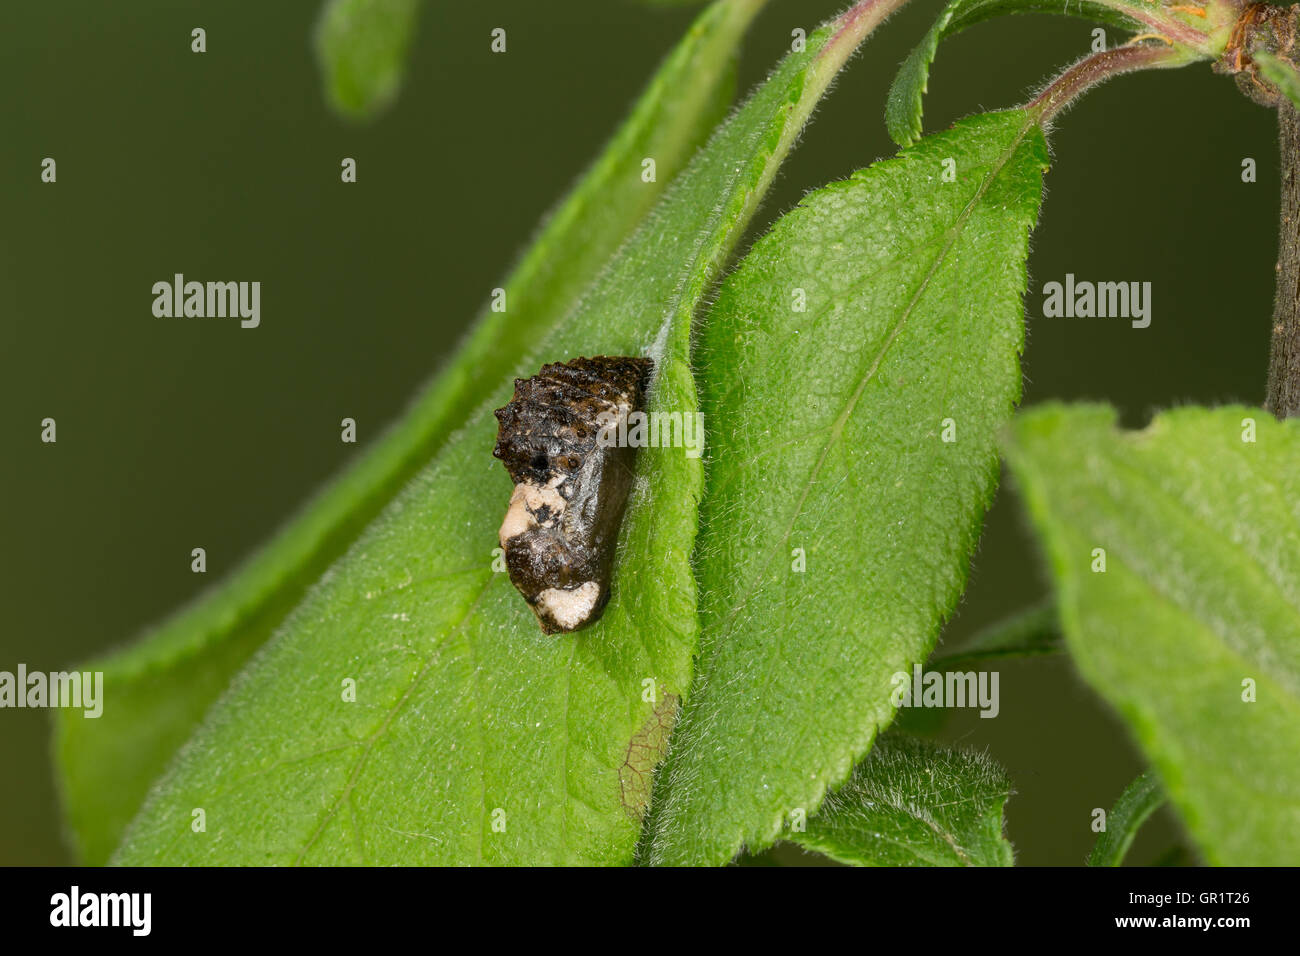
[[1099, 67], [1284, 355], [1032, 632], [1139, 800]]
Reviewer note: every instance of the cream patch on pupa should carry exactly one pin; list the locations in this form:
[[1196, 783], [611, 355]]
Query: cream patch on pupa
[[526, 500], [569, 608]]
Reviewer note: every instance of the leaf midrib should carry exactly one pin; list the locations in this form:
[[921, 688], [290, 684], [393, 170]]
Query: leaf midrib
[[682, 303], [954, 233], [837, 428]]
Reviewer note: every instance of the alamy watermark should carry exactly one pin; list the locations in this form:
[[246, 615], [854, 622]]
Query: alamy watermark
[[1099, 300], [84, 689], [653, 430], [946, 689], [75, 908], [211, 300]]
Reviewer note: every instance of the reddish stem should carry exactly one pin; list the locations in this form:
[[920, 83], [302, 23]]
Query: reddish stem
[[1099, 67]]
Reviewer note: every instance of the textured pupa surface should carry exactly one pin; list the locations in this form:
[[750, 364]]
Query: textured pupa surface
[[571, 483]]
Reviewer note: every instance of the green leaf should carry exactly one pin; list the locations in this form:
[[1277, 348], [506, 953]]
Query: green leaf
[[1140, 799], [905, 105], [362, 47], [163, 685], [474, 738], [1199, 602], [1281, 73], [912, 803], [827, 452]]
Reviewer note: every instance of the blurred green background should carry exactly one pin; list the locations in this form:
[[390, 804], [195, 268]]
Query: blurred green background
[[180, 434]]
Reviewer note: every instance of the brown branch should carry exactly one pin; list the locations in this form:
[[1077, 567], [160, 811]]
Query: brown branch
[[1284, 355]]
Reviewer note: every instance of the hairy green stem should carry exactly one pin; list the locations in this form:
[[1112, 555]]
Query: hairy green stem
[[1139, 800]]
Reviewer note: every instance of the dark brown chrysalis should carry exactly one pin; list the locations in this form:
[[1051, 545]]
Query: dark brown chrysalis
[[571, 483]]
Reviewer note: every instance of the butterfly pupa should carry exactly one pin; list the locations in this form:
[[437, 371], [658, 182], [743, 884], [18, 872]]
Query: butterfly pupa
[[572, 483]]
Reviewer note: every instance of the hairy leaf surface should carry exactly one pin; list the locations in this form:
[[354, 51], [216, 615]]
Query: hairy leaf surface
[[879, 319], [1192, 630], [161, 686], [912, 803], [475, 738]]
